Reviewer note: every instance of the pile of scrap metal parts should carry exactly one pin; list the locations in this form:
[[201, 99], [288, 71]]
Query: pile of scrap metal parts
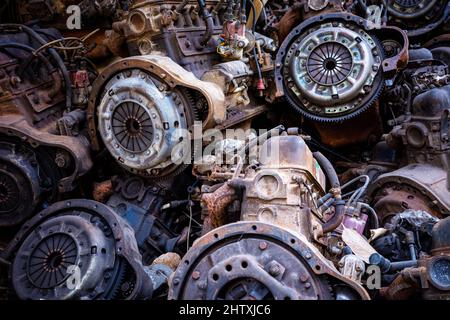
[[225, 149]]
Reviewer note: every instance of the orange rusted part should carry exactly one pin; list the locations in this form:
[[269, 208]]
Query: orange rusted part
[[365, 128], [102, 191], [217, 203]]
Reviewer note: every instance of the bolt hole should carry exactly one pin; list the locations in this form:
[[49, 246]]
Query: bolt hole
[[244, 264], [228, 267], [254, 227], [215, 277]]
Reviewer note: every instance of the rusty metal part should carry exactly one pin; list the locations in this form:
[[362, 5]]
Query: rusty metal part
[[169, 259], [76, 147], [430, 278], [102, 191], [161, 27], [284, 188], [403, 287], [48, 149], [442, 40], [170, 74], [303, 10], [352, 267], [396, 198], [253, 260], [389, 66], [97, 223], [364, 129], [418, 18], [397, 61], [291, 60], [423, 140], [216, 204]]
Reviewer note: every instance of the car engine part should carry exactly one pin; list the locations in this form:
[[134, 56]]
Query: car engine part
[[144, 152], [254, 260], [425, 274], [157, 231], [44, 149], [143, 110], [425, 176], [330, 69], [283, 191], [78, 249], [418, 17]]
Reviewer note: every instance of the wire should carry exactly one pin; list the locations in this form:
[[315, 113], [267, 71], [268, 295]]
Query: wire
[[358, 192], [258, 66], [374, 215]]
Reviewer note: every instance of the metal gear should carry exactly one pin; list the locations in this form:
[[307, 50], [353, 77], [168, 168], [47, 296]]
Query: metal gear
[[77, 249], [332, 71], [141, 121], [418, 17], [254, 260]]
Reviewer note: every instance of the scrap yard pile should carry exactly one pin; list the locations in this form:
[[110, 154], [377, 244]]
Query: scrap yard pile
[[225, 149]]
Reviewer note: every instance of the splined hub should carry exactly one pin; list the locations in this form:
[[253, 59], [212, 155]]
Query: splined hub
[[329, 63], [332, 71], [78, 249], [143, 122], [132, 126], [65, 257], [50, 260]]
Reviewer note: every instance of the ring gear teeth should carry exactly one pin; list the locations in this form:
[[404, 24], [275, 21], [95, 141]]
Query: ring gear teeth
[[332, 72]]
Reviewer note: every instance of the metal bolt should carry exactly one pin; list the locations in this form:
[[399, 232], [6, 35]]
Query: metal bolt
[[307, 285], [195, 275], [263, 245], [304, 277], [176, 281], [274, 270]]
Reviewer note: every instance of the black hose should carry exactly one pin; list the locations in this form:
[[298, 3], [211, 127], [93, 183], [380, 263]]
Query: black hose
[[209, 21], [244, 12], [339, 204], [336, 219], [326, 166], [61, 66], [24, 47]]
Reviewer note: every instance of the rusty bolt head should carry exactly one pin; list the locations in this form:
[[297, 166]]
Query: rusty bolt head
[[263, 245], [195, 275], [274, 270], [304, 277]]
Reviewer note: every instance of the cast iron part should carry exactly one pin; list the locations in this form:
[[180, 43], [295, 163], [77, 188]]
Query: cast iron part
[[253, 260], [330, 68], [77, 249]]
